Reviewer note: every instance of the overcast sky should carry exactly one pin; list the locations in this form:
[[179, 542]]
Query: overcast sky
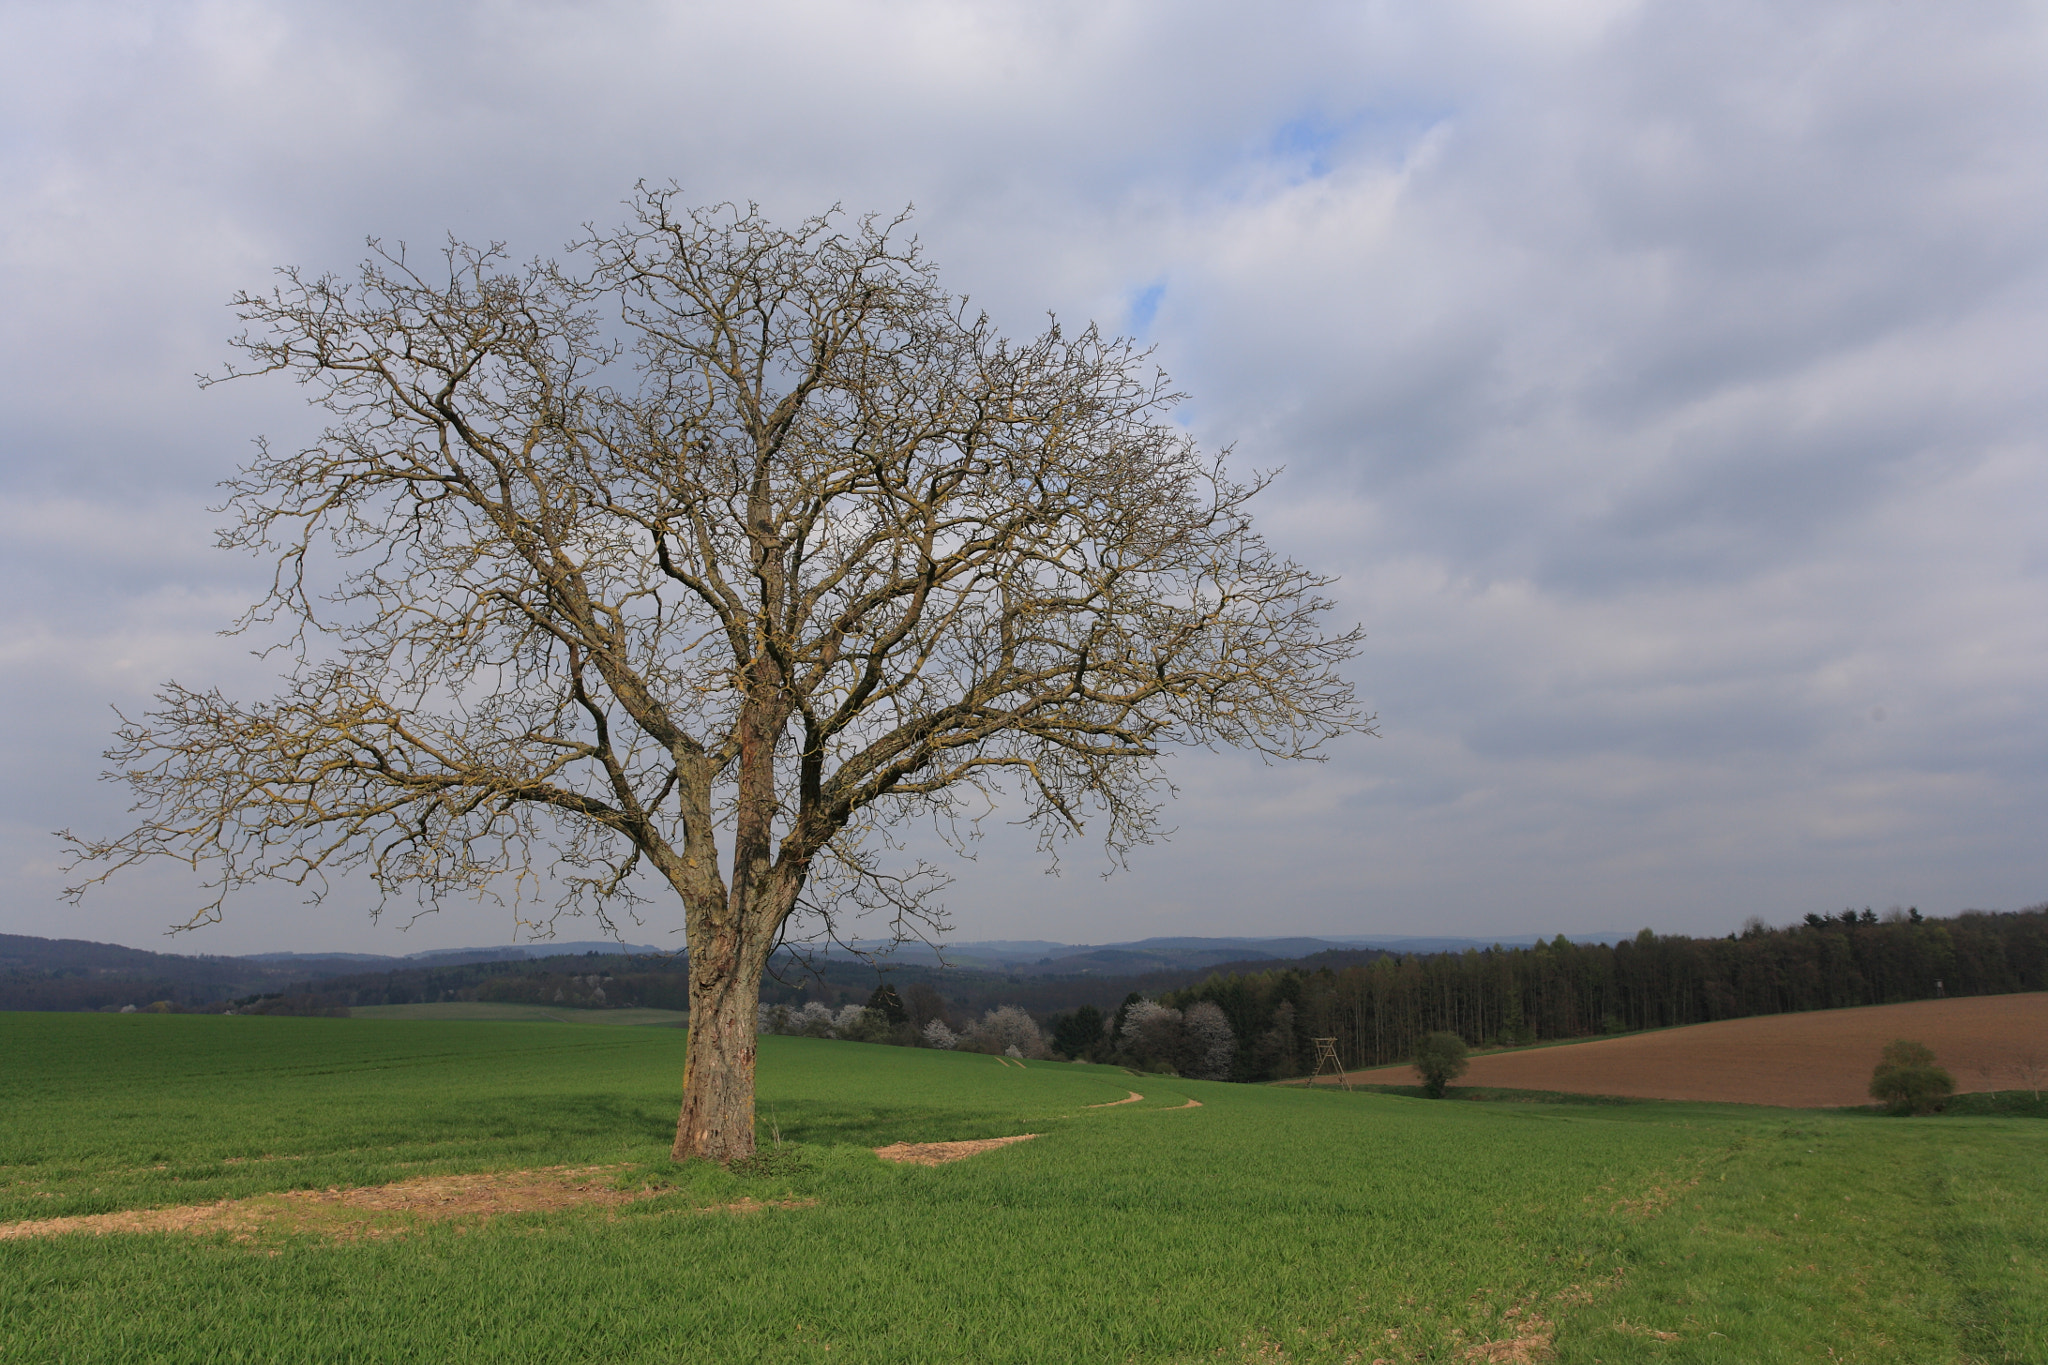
[[1665, 382]]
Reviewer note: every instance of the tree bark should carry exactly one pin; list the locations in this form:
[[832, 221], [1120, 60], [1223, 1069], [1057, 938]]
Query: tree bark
[[717, 1121]]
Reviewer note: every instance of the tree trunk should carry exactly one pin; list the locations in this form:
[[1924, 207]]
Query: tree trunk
[[717, 1122]]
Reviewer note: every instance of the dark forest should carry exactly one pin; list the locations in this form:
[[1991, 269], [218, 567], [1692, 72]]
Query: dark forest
[[1507, 996]]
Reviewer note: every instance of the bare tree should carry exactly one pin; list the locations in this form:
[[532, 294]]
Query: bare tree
[[2030, 1069], [709, 567]]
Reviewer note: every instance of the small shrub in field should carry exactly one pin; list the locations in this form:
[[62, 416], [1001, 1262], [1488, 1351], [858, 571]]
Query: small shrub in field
[[1909, 1080], [1439, 1060]]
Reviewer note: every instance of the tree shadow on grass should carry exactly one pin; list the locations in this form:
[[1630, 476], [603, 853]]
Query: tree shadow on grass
[[1998, 1104], [824, 1124]]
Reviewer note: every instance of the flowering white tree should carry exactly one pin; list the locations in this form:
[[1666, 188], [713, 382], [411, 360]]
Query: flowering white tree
[[1008, 1027], [1211, 1043], [937, 1035], [1153, 1035], [814, 1020]]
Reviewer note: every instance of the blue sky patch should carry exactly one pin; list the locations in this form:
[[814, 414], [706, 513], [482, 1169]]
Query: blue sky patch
[[1309, 141], [1144, 307]]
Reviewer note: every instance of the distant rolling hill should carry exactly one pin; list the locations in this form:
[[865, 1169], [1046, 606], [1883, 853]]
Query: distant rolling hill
[[78, 974], [1043, 958]]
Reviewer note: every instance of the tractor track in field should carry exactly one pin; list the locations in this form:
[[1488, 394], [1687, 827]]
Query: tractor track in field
[[1131, 1098], [940, 1153]]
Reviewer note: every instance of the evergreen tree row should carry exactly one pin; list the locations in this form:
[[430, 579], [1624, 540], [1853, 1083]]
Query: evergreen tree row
[[1378, 1011]]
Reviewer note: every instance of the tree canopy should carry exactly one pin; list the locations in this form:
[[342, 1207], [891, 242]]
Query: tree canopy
[[702, 566]]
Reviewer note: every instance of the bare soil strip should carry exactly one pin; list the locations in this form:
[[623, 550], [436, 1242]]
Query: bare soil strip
[[368, 1210], [1530, 1346], [1132, 1098], [939, 1153], [1816, 1060]]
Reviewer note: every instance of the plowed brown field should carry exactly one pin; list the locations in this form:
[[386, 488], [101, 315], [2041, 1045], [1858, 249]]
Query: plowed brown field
[[1811, 1061]]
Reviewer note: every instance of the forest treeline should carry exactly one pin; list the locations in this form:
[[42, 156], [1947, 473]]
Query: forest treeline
[[1376, 1004], [800, 982], [74, 974], [1502, 996], [65, 974]]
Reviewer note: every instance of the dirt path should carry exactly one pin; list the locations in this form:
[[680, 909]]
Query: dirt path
[[1815, 1060], [368, 1210], [939, 1153]]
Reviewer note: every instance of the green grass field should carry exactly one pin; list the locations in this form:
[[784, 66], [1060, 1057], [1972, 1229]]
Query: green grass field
[[1268, 1224]]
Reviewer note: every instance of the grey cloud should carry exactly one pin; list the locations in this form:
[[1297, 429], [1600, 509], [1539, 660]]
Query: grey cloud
[[1663, 379]]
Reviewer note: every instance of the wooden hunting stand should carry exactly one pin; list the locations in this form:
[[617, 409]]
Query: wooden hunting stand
[[1326, 1051]]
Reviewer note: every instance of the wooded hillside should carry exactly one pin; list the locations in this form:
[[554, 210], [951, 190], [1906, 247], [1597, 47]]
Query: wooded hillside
[[1378, 1010]]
